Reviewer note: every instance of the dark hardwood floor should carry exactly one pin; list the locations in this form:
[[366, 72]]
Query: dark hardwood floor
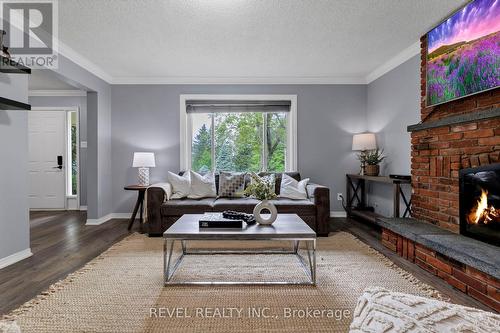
[[61, 244]]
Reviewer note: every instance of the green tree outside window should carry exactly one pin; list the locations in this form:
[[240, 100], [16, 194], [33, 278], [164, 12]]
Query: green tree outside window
[[247, 141]]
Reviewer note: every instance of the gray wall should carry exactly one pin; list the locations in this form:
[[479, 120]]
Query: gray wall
[[14, 205], [81, 103], [146, 118], [393, 102], [99, 187]]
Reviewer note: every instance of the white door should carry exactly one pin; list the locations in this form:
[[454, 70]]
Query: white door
[[47, 146]]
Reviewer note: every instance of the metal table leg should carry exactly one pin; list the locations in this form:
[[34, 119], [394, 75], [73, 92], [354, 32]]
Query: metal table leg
[[168, 249], [310, 267], [170, 265]]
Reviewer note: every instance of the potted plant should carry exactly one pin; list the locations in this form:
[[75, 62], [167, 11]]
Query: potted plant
[[371, 160], [262, 188]]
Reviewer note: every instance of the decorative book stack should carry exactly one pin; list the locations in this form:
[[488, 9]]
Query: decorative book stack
[[217, 220]]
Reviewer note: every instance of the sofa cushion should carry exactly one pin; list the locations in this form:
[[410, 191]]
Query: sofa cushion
[[187, 206], [292, 188], [231, 184], [245, 205], [202, 186], [277, 178], [300, 207], [181, 185], [216, 175]]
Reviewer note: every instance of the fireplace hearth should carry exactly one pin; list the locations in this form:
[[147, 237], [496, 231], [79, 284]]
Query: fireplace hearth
[[480, 203]]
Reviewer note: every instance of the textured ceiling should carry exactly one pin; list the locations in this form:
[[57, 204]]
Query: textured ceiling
[[245, 38]]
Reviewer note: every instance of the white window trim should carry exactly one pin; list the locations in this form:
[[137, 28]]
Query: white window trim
[[69, 170], [185, 132]]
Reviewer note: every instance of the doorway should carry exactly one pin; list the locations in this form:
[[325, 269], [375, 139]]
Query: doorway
[[53, 158]]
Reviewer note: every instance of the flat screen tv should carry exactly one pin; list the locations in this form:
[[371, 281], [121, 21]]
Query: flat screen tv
[[463, 53]]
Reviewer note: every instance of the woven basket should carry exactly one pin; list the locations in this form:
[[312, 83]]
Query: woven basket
[[372, 170]]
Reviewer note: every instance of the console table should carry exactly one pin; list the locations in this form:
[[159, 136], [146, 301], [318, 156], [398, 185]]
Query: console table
[[356, 196]]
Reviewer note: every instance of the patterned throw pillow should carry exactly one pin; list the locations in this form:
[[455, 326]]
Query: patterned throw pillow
[[269, 178], [381, 310], [231, 184]]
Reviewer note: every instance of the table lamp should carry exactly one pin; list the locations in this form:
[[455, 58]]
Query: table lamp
[[144, 161], [363, 142]]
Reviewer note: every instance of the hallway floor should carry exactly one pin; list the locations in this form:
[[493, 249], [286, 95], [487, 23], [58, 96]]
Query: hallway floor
[[61, 243]]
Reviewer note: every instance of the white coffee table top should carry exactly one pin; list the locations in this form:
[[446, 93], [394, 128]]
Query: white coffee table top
[[286, 226]]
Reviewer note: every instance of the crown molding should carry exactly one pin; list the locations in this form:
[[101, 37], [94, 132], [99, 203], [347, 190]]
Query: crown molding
[[394, 62], [239, 80], [45, 93], [83, 62]]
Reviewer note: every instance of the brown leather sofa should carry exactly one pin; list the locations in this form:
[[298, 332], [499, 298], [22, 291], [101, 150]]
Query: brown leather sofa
[[315, 210]]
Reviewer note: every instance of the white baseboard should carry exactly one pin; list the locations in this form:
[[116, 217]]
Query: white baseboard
[[98, 221], [338, 213], [123, 215], [13, 258], [72, 203], [83, 207], [108, 217]]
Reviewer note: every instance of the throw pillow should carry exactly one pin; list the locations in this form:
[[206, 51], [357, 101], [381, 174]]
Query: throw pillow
[[202, 186], [9, 327], [381, 310], [181, 185], [293, 189], [231, 184], [268, 178]]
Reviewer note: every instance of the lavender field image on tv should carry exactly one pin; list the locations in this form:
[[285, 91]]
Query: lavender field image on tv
[[463, 53]]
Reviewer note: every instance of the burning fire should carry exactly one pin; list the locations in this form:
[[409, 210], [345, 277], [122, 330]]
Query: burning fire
[[484, 213]]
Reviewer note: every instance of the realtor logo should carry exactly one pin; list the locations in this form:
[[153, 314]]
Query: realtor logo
[[30, 31]]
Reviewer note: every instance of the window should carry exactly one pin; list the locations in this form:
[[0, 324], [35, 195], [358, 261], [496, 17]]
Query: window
[[249, 141], [72, 165], [238, 135]]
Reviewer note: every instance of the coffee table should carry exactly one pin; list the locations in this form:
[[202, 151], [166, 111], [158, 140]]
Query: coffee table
[[287, 227]]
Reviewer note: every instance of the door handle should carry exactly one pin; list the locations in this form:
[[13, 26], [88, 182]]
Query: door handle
[[59, 162]]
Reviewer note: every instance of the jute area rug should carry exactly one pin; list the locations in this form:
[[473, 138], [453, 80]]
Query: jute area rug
[[122, 291]]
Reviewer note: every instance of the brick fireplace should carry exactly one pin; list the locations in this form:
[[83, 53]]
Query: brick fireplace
[[453, 139], [440, 152]]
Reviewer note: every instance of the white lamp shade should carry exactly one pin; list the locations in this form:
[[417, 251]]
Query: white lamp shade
[[144, 160], [364, 141]]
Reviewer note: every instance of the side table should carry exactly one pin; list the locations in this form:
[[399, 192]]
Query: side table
[[141, 192]]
